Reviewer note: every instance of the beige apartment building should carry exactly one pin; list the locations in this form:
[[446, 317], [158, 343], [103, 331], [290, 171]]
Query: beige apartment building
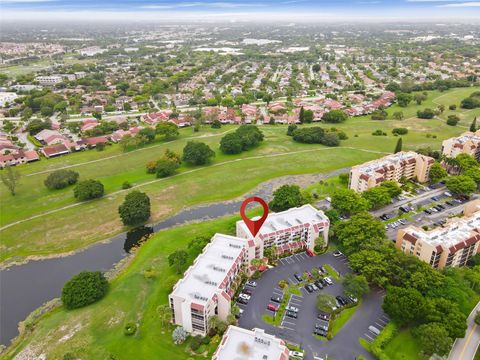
[[207, 286], [407, 164], [467, 143], [289, 230], [243, 344], [448, 246]]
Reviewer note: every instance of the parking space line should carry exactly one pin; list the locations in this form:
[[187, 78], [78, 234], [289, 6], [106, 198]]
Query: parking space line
[[286, 327], [368, 336], [382, 322], [379, 325], [287, 322]]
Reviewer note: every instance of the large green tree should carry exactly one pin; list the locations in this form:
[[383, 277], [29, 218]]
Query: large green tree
[[88, 189], [437, 173], [84, 289], [10, 178], [335, 116], [433, 339], [197, 153], [135, 209], [377, 197], [347, 202], [286, 197], [356, 285], [167, 129], [404, 305], [461, 185], [178, 260]]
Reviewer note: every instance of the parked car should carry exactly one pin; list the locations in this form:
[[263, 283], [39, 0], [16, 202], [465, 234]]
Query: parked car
[[296, 354], [244, 296], [297, 277], [427, 211], [323, 282], [309, 288], [314, 287], [291, 314], [446, 193], [292, 308], [242, 301], [404, 209], [247, 291], [323, 316], [340, 300], [337, 253], [310, 253], [435, 198], [318, 284], [328, 280], [272, 307], [352, 299], [322, 324], [449, 203], [322, 269], [276, 299], [240, 312], [251, 283], [374, 330], [320, 332]]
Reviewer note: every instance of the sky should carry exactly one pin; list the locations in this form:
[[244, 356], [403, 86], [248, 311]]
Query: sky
[[241, 10]]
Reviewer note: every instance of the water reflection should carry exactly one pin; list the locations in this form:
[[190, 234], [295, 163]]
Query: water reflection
[[136, 236]]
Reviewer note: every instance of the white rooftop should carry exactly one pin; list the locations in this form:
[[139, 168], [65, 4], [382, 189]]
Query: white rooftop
[[242, 344], [203, 279], [454, 232], [288, 218], [394, 159], [462, 139]]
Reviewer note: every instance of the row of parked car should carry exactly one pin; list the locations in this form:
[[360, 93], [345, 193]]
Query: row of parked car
[[246, 292], [322, 324]]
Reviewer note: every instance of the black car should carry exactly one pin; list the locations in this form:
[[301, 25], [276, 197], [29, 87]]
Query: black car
[[323, 325], [441, 206], [276, 299], [449, 203], [298, 277], [340, 300], [428, 211], [242, 301], [320, 332], [247, 291], [309, 288], [323, 282], [318, 284], [322, 269], [291, 314]]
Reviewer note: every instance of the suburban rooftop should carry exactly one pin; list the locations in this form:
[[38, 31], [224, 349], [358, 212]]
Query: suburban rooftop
[[242, 344], [203, 278]]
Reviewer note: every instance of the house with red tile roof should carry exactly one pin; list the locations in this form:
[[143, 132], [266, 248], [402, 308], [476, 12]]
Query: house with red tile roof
[[54, 151]]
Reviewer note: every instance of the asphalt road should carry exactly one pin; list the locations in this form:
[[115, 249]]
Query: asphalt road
[[345, 345], [465, 348]]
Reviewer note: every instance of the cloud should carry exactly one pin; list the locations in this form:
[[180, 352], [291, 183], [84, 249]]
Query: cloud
[[218, 5], [461, 5]]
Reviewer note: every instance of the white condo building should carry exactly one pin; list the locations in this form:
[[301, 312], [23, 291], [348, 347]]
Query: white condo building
[[242, 344], [467, 143], [290, 230], [206, 288]]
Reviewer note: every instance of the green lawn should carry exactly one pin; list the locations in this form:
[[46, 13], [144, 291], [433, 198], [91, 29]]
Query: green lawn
[[403, 347], [57, 229], [342, 318], [96, 331], [331, 272]]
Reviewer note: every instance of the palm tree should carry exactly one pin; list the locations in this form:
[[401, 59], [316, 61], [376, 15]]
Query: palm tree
[[165, 314]]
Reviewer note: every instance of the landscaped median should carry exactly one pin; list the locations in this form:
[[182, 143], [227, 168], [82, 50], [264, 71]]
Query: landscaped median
[[276, 320]]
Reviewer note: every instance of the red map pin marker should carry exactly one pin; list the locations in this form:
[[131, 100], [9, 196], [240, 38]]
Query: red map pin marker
[[254, 225]]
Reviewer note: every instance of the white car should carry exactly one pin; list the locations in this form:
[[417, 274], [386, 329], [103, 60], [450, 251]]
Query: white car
[[296, 354], [337, 253], [251, 283], [328, 280], [244, 296], [292, 308]]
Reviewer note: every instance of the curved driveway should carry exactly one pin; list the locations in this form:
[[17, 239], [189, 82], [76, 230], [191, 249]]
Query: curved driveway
[[465, 348]]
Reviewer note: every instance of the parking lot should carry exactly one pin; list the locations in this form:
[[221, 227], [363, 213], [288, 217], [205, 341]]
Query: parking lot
[[299, 330]]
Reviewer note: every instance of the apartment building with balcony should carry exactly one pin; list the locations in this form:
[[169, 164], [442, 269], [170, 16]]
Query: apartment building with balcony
[[238, 343], [290, 230], [207, 286], [467, 143], [393, 167], [449, 246]]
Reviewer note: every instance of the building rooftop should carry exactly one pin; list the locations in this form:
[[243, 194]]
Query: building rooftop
[[204, 278], [242, 344], [454, 232], [465, 137], [305, 214], [371, 167]]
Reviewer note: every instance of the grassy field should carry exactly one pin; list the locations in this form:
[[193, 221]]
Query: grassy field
[[342, 318], [45, 222], [403, 347], [96, 332]]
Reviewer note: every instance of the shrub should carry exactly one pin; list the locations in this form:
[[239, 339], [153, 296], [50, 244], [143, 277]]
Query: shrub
[[100, 146], [283, 283], [196, 342], [88, 189], [216, 124], [452, 107], [151, 167], [379, 133], [179, 335], [206, 340], [126, 185], [84, 289], [452, 120], [335, 116], [400, 131], [231, 144], [426, 114], [165, 168], [135, 208], [256, 275], [130, 329], [477, 318], [60, 179]]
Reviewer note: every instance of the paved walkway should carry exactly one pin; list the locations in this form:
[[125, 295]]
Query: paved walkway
[[465, 348]]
